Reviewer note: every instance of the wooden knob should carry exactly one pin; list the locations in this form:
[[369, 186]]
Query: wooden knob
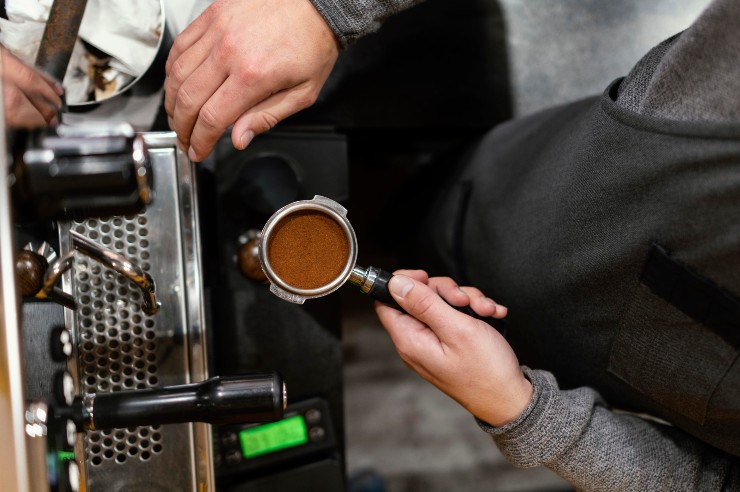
[[248, 260], [30, 268]]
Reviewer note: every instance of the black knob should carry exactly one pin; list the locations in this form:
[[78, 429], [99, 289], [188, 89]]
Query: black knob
[[80, 172]]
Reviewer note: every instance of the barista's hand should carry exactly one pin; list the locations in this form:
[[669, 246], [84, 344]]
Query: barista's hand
[[32, 98], [250, 63], [464, 357]]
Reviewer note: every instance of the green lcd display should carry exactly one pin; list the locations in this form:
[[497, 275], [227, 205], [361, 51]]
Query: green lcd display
[[274, 436]]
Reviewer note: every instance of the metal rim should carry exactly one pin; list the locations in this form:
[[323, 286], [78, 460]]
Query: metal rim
[[293, 208]]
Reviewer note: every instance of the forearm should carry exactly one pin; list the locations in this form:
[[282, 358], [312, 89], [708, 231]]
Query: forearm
[[577, 436], [352, 19]]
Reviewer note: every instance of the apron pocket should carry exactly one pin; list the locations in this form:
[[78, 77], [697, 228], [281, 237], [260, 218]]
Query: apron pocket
[[668, 356]]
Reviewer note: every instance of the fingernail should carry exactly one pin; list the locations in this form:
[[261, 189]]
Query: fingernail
[[400, 285], [59, 88], [191, 155], [245, 139]]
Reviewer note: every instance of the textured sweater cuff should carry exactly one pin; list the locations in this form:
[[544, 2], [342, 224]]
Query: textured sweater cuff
[[351, 20], [552, 422]]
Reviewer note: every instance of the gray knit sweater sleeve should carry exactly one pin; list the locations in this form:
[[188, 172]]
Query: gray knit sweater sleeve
[[352, 19], [576, 435]]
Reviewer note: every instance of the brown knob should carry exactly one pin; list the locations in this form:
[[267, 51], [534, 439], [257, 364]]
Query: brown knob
[[30, 268], [248, 260]]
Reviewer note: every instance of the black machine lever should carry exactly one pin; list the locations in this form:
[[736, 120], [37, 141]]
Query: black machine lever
[[250, 398]]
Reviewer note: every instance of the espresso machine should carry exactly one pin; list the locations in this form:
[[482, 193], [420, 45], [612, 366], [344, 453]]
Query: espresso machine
[[130, 359]]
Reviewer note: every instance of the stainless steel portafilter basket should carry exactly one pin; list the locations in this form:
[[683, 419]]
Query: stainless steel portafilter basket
[[334, 211]]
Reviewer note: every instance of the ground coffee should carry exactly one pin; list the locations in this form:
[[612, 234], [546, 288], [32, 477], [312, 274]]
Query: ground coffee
[[308, 249]]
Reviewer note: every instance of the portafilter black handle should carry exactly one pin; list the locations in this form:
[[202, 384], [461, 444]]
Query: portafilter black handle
[[373, 282], [220, 400]]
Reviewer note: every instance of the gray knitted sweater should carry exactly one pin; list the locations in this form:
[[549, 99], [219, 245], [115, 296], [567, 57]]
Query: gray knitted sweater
[[575, 434], [352, 19], [692, 77]]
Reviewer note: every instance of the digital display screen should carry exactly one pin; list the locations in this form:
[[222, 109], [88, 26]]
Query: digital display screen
[[274, 436]]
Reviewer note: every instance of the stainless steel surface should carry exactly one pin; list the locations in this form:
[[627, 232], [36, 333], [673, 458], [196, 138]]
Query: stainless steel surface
[[53, 276], [14, 463], [123, 266], [334, 210], [42, 248], [363, 278], [122, 348]]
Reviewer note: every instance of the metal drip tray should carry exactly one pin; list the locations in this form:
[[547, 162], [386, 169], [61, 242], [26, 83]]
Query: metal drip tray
[[121, 348]]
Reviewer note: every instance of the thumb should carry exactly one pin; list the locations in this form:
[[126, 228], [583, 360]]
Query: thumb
[[424, 304], [270, 112]]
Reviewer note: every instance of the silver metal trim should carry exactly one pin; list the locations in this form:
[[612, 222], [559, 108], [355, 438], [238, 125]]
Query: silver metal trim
[[52, 276], [15, 465], [88, 403], [143, 180], [180, 328], [205, 477]]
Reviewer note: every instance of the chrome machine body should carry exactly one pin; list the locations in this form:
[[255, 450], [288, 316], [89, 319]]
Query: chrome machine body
[[119, 342], [121, 347]]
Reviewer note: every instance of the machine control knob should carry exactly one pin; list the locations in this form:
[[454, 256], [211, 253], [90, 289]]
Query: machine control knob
[[317, 434], [64, 388], [73, 474], [60, 344], [247, 257], [233, 457], [30, 268], [70, 433]]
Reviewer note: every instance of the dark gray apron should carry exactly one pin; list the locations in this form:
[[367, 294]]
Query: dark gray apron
[[614, 239]]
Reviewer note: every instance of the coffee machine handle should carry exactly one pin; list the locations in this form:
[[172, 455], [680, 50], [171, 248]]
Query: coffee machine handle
[[250, 398]]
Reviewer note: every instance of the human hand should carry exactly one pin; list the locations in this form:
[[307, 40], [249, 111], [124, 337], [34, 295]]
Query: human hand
[[464, 357], [247, 63], [32, 98]]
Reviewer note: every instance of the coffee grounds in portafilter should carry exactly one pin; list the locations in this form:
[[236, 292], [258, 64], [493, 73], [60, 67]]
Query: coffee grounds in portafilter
[[308, 249]]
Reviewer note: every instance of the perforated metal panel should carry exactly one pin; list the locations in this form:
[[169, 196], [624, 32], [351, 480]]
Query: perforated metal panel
[[117, 340], [121, 348]]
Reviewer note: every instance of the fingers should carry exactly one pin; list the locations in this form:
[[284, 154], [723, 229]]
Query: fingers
[[484, 306], [187, 38], [20, 112], [459, 296], [250, 64], [235, 97], [31, 98], [179, 69], [423, 303]]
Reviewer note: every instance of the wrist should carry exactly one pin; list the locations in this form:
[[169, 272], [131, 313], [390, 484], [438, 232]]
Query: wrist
[[509, 407]]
